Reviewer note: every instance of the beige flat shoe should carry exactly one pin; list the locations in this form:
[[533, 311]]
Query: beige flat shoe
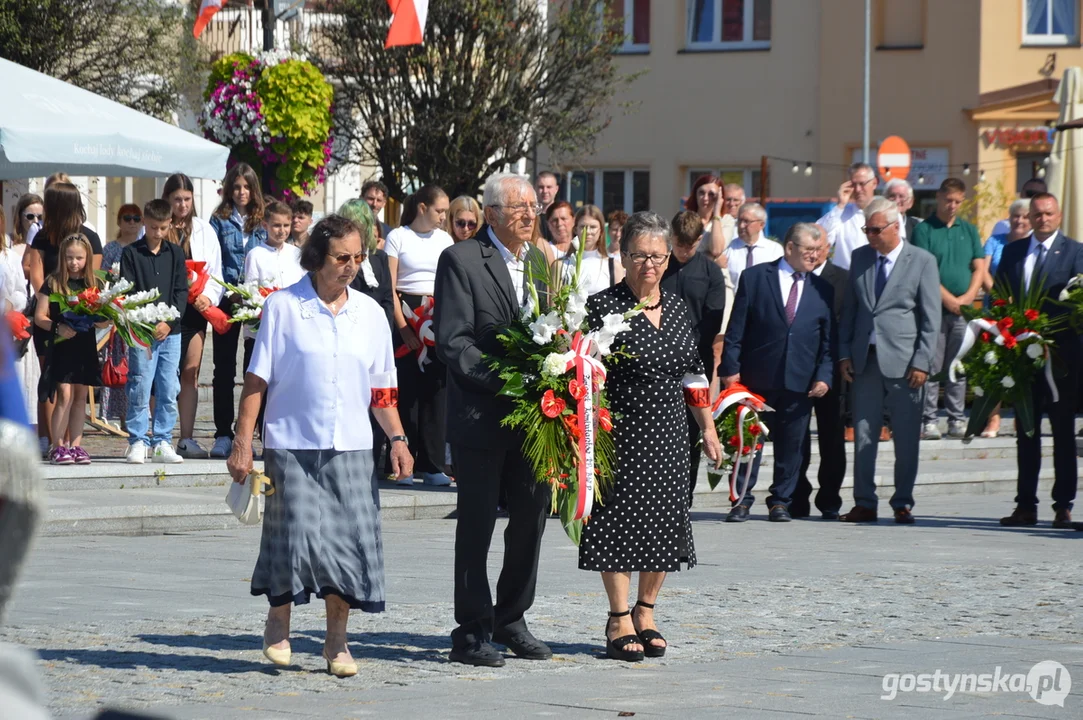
[[275, 655], [341, 669]]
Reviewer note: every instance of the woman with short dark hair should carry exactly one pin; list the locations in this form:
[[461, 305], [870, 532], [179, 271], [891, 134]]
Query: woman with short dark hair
[[323, 356]]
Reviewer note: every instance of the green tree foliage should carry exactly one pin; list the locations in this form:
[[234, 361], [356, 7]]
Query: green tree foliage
[[493, 78], [136, 52]]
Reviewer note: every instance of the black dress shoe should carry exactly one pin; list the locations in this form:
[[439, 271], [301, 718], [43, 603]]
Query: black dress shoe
[[830, 515], [738, 513], [779, 513], [524, 645], [481, 654], [799, 511]]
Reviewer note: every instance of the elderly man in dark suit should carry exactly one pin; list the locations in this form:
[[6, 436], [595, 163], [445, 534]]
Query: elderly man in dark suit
[[887, 342], [778, 344], [481, 287], [1048, 258], [829, 415]]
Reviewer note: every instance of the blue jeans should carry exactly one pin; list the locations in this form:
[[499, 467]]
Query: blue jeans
[[160, 370]]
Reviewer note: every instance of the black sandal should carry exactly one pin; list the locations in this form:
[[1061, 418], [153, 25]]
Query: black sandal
[[615, 648], [646, 636]]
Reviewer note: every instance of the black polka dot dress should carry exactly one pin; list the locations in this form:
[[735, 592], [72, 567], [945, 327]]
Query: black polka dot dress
[[643, 525]]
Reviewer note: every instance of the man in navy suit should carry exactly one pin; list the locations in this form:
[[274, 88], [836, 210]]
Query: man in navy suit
[[1050, 258], [778, 345]]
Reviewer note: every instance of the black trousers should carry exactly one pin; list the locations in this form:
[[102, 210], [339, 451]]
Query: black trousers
[[423, 405], [788, 425], [829, 425], [224, 382], [1029, 450], [481, 475]]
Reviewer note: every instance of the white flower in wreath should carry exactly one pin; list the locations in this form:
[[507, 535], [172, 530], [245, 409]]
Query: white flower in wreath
[[1035, 351], [554, 365], [990, 357], [978, 392], [545, 327], [1007, 381], [957, 367], [576, 311], [612, 325]]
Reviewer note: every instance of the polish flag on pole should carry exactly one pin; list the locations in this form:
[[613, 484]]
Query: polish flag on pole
[[407, 22], [207, 9]]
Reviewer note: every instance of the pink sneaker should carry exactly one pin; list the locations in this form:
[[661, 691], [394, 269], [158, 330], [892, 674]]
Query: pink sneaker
[[61, 456], [79, 456]]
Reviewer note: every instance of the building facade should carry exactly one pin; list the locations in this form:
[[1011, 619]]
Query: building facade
[[968, 83]]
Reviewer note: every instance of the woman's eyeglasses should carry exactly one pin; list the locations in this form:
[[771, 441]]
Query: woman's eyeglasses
[[341, 260], [31, 217], [466, 224], [131, 218], [641, 258]]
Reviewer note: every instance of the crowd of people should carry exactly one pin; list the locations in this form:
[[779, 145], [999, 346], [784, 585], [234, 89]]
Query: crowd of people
[[848, 317]]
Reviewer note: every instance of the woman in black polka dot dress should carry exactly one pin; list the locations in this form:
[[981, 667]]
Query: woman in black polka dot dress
[[643, 524]]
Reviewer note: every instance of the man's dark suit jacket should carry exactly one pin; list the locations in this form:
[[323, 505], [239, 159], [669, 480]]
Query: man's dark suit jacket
[[836, 277], [475, 299], [911, 225], [382, 292], [768, 353], [1063, 262]]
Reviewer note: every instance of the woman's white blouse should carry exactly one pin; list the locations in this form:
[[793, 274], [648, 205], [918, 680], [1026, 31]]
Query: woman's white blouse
[[321, 369], [593, 272], [205, 248]]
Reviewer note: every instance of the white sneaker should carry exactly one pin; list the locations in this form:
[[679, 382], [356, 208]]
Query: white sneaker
[[164, 453], [189, 448], [930, 431], [137, 453], [435, 479], [223, 446]]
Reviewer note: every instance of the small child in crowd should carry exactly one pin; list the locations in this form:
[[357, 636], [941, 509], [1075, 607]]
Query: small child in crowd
[[155, 263], [71, 351]]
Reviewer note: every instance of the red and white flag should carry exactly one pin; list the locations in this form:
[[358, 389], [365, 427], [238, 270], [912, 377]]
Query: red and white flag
[[207, 9], [407, 22]]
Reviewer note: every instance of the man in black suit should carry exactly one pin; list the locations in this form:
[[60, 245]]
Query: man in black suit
[[778, 344], [1050, 258], [829, 416], [696, 279], [481, 287], [901, 193]]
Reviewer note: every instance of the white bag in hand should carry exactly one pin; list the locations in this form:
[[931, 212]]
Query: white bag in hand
[[246, 501]]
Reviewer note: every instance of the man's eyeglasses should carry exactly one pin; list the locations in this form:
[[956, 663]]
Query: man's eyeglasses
[[873, 231], [863, 183], [747, 221], [642, 258], [733, 200], [536, 208], [341, 260], [128, 218], [31, 217], [466, 224]]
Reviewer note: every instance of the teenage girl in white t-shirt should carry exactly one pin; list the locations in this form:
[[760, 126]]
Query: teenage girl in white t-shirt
[[413, 251], [598, 270]]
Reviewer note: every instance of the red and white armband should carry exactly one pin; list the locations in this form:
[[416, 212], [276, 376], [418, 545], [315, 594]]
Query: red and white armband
[[697, 391], [385, 390]]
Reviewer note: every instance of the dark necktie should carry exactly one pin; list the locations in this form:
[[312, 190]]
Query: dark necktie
[[791, 301], [881, 275], [748, 257], [1036, 273]]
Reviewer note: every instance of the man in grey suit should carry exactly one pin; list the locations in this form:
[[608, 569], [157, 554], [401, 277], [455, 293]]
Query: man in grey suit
[[887, 340]]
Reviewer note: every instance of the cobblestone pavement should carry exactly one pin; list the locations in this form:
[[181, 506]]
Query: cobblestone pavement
[[166, 624]]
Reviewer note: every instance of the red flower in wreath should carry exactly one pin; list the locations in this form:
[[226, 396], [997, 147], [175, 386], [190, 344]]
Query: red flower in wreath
[[735, 441], [986, 337], [1009, 341], [1005, 323], [576, 390], [754, 429], [572, 423], [605, 419], [1000, 302], [746, 449], [1031, 314], [551, 405]]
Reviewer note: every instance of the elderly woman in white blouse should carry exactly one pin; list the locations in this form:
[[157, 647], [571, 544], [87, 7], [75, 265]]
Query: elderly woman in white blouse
[[323, 357]]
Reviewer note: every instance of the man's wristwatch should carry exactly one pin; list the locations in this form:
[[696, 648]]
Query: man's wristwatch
[[402, 439]]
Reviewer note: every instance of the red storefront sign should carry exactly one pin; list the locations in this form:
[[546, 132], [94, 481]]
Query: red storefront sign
[[1012, 137]]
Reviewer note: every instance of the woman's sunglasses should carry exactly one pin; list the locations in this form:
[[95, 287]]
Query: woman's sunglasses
[[131, 218], [465, 224], [341, 260], [31, 217]]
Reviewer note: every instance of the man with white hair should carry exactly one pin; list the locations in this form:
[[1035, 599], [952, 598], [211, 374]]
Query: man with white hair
[[887, 343], [845, 222], [481, 288], [901, 193], [751, 246]]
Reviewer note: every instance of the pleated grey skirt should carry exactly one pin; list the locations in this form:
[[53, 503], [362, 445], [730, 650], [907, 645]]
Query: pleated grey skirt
[[321, 530]]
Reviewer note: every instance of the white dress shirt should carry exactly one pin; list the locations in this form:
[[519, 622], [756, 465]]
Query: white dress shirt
[[320, 368], [737, 255], [272, 267], [845, 232], [892, 258], [516, 268], [1032, 255], [786, 281]]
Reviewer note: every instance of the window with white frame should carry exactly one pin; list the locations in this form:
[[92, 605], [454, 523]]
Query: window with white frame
[[632, 18], [729, 24], [627, 190], [1050, 22]]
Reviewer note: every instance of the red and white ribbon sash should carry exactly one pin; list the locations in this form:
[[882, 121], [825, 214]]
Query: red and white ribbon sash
[[977, 326], [421, 322], [590, 374], [748, 401]]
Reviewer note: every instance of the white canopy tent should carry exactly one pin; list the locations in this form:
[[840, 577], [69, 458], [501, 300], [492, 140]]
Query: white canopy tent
[[1065, 174], [47, 125]]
